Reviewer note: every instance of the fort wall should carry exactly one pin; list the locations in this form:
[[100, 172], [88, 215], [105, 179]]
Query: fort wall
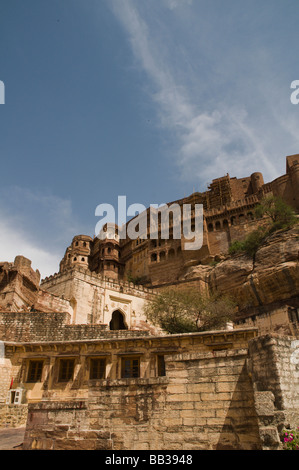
[[94, 298], [221, 391]]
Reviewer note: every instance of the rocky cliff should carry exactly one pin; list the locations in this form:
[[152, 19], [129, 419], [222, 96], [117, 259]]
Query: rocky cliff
[[272, 278]]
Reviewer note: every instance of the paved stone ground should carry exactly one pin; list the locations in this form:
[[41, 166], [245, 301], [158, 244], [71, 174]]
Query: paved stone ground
[[11, 438]]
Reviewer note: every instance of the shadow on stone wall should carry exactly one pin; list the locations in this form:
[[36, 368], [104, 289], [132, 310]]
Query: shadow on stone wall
[[240, 430]]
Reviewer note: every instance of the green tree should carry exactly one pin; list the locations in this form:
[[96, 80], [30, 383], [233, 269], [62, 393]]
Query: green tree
[[236, 247], [254, 240], [281, 214], [188, 310]]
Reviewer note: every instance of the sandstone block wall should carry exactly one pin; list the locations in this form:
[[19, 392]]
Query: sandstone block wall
[[32, 326], [206, 401], [274, 365], [12, 416], [228, 399], [276, 318], [5, 379], [44, 327]]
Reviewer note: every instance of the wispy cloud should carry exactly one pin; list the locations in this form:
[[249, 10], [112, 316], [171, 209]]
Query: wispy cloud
[[36, 226], [172, 4], [14, 243], [211, 137]]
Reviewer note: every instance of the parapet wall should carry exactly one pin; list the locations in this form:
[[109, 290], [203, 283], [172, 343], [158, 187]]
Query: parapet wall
[[40, 327], [104, 282], [31, 326]]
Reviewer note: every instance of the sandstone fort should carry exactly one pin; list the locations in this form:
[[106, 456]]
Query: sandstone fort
[[82, 367]]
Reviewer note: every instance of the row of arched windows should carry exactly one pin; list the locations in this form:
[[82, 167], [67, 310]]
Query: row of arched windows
[[76, 259], [109, 250], [81, 243], [108, 265], [163, 255], [233, 220], [160, 241]]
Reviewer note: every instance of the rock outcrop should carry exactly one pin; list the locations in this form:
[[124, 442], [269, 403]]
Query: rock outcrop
[[271, 278]]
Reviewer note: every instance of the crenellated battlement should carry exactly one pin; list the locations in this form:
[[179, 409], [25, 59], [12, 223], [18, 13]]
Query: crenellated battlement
[[102, 281]]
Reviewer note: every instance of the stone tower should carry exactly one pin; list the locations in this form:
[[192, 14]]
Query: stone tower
[[105, 256], [77, 254]]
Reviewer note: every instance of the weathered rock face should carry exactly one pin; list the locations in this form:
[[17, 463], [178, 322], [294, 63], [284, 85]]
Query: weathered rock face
[[273, 276], [19, 284], [230, 276]]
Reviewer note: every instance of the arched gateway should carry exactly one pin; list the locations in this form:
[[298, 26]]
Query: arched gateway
[[117, 321]]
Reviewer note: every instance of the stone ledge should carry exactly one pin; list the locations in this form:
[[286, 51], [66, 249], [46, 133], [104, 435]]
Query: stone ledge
[[58, 405], [129, 381]]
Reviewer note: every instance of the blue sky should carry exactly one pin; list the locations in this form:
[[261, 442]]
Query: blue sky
[[150, 99]]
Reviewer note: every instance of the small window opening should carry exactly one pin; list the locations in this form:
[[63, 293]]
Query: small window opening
[[130, 367], [35, 371], [161, 366], [97, 368], [66, 370]]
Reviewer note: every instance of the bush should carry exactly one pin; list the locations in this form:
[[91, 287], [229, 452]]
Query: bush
[[254, 240], [236, 247], [135, 280], [251, 243], [281, 217], [188, 310]]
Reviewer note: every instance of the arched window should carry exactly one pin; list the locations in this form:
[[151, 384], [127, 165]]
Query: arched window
[[225, 224], [117, 321], [218, 226], [153, 257], [210, 227]]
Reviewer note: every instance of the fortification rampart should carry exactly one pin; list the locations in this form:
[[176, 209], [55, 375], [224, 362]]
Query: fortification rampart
[[96, 279]]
